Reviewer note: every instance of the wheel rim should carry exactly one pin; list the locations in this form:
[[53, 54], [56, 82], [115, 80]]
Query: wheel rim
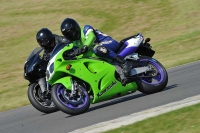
[[43, 100], [158, 75], [74, 103]]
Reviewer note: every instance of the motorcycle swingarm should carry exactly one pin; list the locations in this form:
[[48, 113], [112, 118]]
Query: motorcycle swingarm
[[136, 77], [139, 70]]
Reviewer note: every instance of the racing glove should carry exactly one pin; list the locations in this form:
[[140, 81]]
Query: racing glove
[[46, 56], [80, 51]]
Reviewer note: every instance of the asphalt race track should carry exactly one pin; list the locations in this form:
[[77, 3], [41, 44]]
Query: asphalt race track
[[183, 82]]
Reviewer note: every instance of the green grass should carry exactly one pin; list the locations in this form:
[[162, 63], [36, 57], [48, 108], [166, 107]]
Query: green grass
[[185, 120], [173, 26]]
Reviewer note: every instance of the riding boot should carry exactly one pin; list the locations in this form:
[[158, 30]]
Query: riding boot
[[125, 65]]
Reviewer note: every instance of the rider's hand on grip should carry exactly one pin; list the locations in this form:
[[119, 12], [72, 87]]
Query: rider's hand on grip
[[46, 56], [84, 49], [76, 52], [81, 50]]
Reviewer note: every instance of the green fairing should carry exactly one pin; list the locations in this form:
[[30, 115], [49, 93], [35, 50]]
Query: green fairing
[[99, 74], [66, 81]]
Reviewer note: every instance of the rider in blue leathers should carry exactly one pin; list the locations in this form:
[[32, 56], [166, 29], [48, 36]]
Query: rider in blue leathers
[[87, 37]]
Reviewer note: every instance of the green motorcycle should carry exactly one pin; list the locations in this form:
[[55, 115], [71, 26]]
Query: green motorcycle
[[86, 79]]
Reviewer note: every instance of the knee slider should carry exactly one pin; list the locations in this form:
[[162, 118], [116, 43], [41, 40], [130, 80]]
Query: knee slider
[[101, 50]]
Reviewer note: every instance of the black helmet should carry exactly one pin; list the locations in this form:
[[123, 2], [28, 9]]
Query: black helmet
[[70, 29], [45, 38]]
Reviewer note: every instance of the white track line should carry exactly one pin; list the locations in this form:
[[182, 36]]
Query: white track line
[[135, 117]]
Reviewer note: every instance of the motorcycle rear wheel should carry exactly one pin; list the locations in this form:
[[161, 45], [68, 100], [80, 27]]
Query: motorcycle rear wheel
[[71, 105], [158, 82], [40, 101]]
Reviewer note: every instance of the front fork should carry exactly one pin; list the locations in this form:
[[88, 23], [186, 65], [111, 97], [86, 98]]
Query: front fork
[[43, 84], [75, 88]]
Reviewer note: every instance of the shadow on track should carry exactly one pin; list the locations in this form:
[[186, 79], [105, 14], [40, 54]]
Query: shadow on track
[[171, 87], [126, 98], [116, 101]]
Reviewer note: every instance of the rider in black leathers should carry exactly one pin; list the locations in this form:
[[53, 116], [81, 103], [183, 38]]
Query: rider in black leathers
[[47, 40]]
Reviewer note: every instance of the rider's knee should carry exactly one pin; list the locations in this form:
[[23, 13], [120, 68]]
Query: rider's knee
[[100, 50]]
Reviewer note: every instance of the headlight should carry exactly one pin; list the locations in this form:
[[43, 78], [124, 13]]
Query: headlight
[[51, 68]]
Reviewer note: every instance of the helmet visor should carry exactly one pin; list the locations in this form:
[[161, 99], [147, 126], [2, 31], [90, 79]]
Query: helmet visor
[[44, 42], [71, 35]]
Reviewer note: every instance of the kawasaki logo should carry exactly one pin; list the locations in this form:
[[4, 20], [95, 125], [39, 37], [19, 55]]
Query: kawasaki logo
[[108, 88]]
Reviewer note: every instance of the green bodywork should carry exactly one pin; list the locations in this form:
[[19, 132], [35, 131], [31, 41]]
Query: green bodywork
[[99, 74]]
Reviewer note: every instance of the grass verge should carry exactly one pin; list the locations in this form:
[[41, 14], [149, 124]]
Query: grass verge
[[185, 120]]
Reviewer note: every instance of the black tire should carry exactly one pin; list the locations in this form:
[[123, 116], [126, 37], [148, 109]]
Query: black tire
[[35, 99], [149, 88], [63, 102]]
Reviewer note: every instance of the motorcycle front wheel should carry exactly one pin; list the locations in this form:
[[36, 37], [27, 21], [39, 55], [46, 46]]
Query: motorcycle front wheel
[[159, 78], [73, 105], [39, 100]]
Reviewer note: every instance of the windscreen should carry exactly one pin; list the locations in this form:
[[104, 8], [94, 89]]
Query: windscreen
[[32, 60], [57, 48], [35, 51]]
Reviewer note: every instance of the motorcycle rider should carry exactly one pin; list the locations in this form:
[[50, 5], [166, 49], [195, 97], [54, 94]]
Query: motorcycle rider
[[47, 40], [88, 37]]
